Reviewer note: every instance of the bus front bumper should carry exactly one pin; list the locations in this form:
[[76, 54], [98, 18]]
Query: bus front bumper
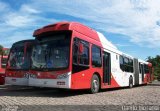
[[16, 81], [52, 83]]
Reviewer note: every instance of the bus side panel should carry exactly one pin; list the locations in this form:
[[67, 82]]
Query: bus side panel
[[146, 77], [82, 79], [118, 77], [114, 69]]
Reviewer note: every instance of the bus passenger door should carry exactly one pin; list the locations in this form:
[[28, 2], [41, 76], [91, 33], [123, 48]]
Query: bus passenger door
[[143, 73], [136, 71], [106, 68], [140, 73]]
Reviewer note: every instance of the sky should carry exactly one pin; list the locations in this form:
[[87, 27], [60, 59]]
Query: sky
[[132, 25]]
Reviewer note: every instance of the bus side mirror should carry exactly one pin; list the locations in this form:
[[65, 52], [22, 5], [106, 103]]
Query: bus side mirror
[[81, 48]]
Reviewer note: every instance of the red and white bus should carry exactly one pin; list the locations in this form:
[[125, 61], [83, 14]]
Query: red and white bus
[[19, 63], [73, 56], [3, 61]]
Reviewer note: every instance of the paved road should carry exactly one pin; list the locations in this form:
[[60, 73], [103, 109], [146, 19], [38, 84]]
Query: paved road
[[142, 95]]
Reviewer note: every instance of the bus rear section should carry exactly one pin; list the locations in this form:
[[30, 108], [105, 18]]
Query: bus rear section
[[18, 63], [3, 62], [145, 72], [150, 74]]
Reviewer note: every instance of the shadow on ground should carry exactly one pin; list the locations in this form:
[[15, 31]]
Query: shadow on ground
[[39, 92], [155, 83], [50, 92]]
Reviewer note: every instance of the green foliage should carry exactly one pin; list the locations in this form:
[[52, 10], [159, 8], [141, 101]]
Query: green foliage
[[156, 64], [1, 49]]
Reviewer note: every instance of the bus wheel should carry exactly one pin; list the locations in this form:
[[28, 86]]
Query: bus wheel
[[95, 84], [130, 83]]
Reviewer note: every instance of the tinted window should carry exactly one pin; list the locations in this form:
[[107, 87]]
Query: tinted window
[[140, 68], [80, 55], [121, 63], [80, 52], [126, 64], [146, 68], [96, 56]]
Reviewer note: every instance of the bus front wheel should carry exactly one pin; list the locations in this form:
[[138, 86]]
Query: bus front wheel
[[95, 84]]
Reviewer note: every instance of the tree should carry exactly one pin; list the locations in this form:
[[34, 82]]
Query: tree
[[1, 49], [156, 64]]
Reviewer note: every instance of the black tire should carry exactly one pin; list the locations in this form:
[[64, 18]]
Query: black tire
[[95, 84], [130, 82]]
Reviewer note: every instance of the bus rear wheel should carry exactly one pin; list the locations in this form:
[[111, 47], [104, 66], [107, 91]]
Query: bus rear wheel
[[95, 84], [130, 83]]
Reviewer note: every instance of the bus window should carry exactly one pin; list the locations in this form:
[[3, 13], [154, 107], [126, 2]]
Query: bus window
[[80, 55], [146, 69], [121, 60], [140, 68], [96, 56], [126, 64], [80, 52]]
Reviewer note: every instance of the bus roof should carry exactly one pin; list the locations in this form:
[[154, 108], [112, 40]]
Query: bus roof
[[23, 41], [64, 26]]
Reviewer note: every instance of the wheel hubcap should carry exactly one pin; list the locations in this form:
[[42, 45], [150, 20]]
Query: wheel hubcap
[[131, 84], [95, 85]]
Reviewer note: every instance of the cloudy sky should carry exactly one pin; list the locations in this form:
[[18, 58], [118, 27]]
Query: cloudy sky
[[132, 25]]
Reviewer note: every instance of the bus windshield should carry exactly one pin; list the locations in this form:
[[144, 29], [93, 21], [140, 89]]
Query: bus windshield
[[51, 53], [17, 58]]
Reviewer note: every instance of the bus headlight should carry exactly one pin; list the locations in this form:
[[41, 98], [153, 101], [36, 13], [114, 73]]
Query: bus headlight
[[62, 76]]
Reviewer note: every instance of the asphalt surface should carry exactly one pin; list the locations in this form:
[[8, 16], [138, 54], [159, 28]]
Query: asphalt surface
[[29, 98]]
